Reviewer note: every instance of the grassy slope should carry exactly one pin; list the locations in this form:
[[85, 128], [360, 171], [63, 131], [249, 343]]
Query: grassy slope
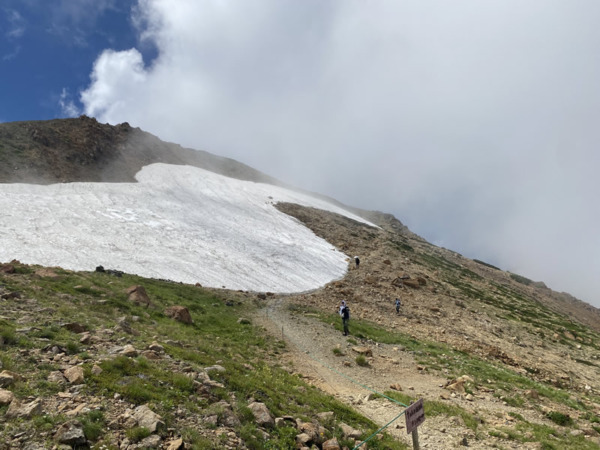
[[96, 300]]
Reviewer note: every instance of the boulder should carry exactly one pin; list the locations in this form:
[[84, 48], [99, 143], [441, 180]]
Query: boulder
[[7, 378], [137, 294], [129, 350], [74, 375], [6, 397], [179, 313], [177, 444], [153, 441], [23, 411], [262, 415], [365, 351], [124, 325], [331, 444], [302, 440], [412, 283], [86, 338], [147, 418], [349, 432], [156, 347], [7, 268], [71, 433], [56, 377]]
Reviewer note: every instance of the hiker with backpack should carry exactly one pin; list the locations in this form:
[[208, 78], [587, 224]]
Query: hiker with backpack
[[398, 305], [345, 314]]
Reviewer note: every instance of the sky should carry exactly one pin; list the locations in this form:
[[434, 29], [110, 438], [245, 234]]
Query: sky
[[179, 223], [474, 123]]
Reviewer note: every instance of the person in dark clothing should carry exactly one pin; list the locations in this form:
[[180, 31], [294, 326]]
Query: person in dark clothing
[[345, 313], [357, 261], [398, 305]]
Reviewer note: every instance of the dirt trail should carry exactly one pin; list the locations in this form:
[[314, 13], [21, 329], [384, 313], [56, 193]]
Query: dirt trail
[[311, 343]]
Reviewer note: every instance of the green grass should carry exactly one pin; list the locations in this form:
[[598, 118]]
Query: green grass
[[136, 434], [435, 408], [361, 361], [559, 418], [247, 354]]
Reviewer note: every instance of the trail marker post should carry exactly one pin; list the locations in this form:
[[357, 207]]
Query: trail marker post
[[415, 416]]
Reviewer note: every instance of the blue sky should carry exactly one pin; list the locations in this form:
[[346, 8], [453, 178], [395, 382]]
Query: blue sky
[[476, 123], [47, 49]]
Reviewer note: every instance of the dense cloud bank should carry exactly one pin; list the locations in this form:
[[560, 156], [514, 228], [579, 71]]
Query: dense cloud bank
[[474, 123]]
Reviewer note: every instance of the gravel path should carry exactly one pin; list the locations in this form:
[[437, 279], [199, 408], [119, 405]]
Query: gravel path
[[311, 342]]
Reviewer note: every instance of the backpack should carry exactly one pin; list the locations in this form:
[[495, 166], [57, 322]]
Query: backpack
[[345, 313]]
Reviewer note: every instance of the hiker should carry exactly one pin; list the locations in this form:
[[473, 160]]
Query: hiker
[[345, 313], [357, 261], [398, 305]]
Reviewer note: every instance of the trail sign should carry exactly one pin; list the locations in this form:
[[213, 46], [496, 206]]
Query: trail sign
[[415, 415]]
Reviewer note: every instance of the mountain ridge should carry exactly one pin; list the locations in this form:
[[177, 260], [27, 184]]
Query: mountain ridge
[[509, 361]]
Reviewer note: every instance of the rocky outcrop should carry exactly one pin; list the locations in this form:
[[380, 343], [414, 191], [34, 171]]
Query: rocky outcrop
[[179, 313], [137, 294]]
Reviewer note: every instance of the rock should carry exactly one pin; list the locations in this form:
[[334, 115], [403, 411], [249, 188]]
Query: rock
[[18, 410], [149, 354], [76, 411], [46, 272], [365, 351], [7, 268], [137, 294], [262, 414], [215, 367], [569, 335], [71, 433], [74, 327], [85, 339], [129, 350], [156, 347], [331, 444], [302, 439], [7, 378], [325, 416], [532, 393], [153, 441], [396, 387], [74, 375], [349, 432], [312, 430], [147, 418], [96, 369], [124, 325], [414, 284], [6, 397], [179, 313], [57, 377], [244, 321], [177, 444]]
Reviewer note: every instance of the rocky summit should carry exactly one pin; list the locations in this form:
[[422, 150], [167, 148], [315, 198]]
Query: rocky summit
[[109, 360]]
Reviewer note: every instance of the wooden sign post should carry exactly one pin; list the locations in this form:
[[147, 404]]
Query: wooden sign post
[[415, 416]]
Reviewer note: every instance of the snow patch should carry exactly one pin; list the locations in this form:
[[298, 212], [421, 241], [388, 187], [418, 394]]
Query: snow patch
[[178, 222]]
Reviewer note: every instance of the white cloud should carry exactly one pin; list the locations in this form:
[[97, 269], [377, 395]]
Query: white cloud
[[16, 24], [67, 106], [475, 123]]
